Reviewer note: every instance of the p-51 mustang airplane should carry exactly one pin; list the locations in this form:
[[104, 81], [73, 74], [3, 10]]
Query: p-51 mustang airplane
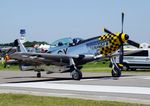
[[70, 54]]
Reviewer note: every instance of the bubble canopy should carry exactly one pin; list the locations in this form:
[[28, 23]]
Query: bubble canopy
[[66, 41]]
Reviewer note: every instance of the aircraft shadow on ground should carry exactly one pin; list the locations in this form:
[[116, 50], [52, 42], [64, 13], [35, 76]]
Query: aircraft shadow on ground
[[61, 79]]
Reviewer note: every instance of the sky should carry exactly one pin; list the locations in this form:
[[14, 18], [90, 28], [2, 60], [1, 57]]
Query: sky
[[49, 20]]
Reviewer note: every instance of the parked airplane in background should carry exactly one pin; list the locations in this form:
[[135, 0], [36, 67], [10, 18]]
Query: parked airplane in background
[[4, 56], [69, 54]]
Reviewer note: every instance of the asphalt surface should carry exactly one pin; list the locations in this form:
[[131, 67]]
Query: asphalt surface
[[131, 87]]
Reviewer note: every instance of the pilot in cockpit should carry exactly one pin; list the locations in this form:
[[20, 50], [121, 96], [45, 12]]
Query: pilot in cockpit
[[60, 44], [75, 41]]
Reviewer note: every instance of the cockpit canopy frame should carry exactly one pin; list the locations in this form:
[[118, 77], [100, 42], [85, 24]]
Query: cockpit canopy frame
[[66, 42]]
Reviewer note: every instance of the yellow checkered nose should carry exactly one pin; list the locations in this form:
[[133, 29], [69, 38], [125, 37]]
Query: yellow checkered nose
[[114, 42], [124, 37]]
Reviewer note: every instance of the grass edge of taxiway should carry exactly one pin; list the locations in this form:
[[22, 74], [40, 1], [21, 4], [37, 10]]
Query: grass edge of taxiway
[[9, 99]]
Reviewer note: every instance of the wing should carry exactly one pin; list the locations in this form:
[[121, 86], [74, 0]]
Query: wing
[[46, 58]]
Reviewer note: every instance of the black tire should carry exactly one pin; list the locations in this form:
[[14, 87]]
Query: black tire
[[116, 72], [38, 75], [76, 74]]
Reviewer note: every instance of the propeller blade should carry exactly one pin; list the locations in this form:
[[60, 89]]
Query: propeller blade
[[121, 51], [133, 43], [122, 22], [4, 53], [9, 50], [109, 32]]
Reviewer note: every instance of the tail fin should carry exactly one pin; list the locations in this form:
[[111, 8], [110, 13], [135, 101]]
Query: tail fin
[[20, 46]]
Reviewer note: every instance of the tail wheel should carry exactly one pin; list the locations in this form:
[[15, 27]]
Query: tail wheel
[[76, 74], [116, 72], [38, 75]]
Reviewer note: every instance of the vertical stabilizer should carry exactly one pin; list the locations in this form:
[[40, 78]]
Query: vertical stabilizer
[[20, 46]]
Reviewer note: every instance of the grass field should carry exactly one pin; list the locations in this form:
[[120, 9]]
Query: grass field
[[98, 66], [9, 67], [101, 66], [29, 100]]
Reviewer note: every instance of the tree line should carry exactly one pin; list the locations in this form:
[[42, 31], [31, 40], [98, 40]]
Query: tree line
[[27, 44]]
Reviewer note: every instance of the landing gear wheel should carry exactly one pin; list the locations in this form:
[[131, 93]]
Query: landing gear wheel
[[116, 72], [38, 75], [76, 74]]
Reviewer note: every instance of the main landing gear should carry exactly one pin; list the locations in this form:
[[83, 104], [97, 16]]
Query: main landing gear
[[116, 71], [75, 73], [116, 68], [38, 74]]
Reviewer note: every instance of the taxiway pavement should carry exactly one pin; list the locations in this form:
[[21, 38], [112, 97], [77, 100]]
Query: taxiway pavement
[[131, 87]]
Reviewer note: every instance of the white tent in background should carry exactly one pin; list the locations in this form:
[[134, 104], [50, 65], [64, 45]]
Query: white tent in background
[[44, 46]]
